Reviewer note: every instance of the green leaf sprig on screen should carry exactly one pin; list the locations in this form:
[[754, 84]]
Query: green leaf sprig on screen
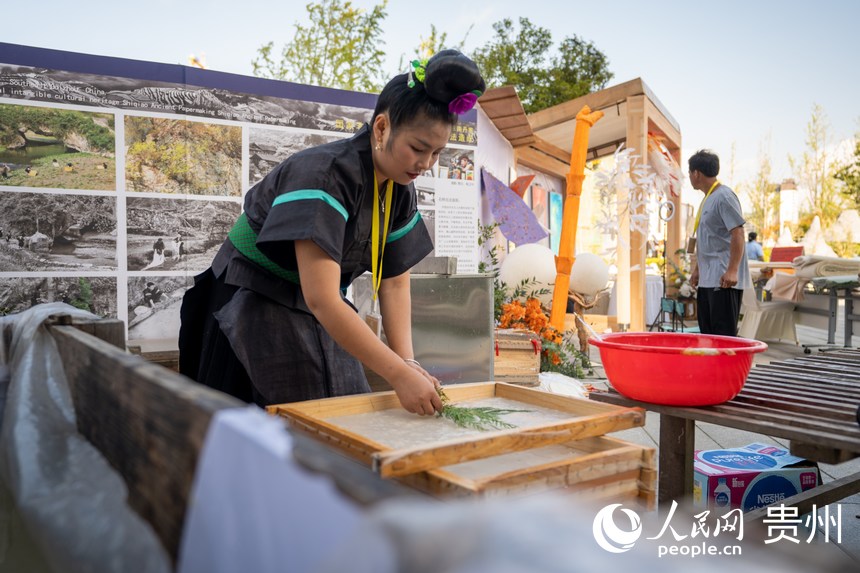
[[479, 417]]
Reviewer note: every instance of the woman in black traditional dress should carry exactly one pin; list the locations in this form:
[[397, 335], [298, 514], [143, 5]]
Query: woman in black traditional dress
[[268, 322]]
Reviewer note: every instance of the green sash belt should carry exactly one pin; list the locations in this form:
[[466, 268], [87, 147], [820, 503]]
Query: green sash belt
[[244, 239]]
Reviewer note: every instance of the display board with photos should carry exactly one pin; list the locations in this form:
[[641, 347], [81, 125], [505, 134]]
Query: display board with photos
[[545, 196], [120, 179]]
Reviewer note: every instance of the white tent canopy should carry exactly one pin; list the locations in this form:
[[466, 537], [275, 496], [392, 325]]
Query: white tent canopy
[[785, 239], [813, 242], [846, 229]]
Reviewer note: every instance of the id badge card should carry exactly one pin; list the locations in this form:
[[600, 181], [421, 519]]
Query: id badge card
[[691, 245], [374, 319]]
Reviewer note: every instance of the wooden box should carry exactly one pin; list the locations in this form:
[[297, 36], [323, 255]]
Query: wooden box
[[558, 443], [517, 357]]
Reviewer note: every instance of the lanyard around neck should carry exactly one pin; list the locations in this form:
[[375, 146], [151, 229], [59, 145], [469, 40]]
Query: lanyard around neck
[[377, 245], [702, 206]]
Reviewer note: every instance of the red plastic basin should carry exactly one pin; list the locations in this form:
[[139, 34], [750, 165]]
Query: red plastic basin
[[677, 369]]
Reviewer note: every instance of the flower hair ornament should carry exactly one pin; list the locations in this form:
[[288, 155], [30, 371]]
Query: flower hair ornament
[[460, 104], [465, 102]]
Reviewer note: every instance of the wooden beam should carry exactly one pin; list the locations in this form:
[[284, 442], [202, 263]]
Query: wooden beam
[[520, 141], [605, 149], [533, 159], [637, 138], [816, 497], [110, 330], [821, 454], [506, 122], [598, 100], [656, 120], [545, 146], [517, 132], [677, 439], [494, 94], [655, 116]]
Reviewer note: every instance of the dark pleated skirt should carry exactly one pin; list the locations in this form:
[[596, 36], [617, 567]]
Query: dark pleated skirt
[[251, 347]]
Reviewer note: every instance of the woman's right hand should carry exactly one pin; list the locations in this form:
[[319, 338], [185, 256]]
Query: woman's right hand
[[416, 391]]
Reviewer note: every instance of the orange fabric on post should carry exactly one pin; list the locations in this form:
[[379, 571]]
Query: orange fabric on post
[[564, 261]]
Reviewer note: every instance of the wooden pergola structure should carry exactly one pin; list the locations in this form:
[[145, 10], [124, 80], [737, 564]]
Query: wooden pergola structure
[[543, 141]]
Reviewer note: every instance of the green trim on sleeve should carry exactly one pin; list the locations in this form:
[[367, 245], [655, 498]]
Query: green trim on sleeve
[[303, 194], [399, 233]]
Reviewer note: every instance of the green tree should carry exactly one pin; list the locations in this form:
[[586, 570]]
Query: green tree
[[764, 199], [849, 175], [433, 43], [815, 170], [524, 58], [437, 41], [339, 48]]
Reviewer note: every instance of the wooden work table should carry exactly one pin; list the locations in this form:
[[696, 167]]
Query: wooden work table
[[811, 401]]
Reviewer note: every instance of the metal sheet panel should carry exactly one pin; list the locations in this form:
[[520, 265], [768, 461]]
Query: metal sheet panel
[[452, 324]]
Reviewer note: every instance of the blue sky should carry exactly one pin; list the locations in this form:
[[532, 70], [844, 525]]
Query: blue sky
[[729, 72]]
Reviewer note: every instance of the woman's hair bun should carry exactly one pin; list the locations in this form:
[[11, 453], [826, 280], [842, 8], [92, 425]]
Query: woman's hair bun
[[450, 74]]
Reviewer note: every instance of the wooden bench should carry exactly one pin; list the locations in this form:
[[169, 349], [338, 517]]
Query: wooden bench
[[811, 401]]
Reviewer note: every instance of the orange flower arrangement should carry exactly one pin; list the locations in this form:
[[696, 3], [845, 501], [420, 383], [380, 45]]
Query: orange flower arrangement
[[532, 317]]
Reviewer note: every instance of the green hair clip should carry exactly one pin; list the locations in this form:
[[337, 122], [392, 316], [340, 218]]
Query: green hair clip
[[419, 67]]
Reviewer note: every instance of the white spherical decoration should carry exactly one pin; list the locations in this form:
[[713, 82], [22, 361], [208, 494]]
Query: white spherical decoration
[[589, 274], [530, 262]]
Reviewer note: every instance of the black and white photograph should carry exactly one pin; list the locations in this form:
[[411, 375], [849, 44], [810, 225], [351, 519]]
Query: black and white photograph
[[94, 294], [429, 218], [57, 232], [177, 156], [295, 109], [269, 147], [176, 234], [47, 147], [456, 164], [425, 190], [153, 306]]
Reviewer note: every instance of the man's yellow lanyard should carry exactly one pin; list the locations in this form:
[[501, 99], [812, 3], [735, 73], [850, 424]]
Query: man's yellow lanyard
[[377, 245], [702, 206]]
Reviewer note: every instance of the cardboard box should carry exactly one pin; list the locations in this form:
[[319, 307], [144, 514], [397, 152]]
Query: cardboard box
[[750, 477]]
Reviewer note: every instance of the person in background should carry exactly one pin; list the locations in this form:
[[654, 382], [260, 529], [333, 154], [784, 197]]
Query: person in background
[[754, 250], [268, 322], [721, 271]]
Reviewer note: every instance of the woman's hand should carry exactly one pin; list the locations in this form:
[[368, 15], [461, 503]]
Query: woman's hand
[[416, 390], [415, 365], [320, 279]]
